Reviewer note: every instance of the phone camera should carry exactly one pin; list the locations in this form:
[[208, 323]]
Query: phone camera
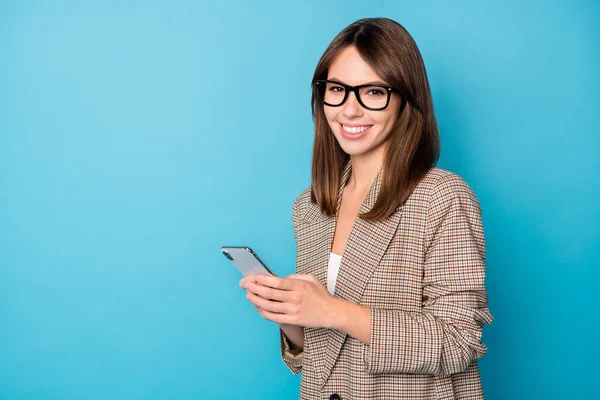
[[226, 254]]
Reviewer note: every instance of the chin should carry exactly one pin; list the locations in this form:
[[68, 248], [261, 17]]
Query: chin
[[354, 150], [359, 149]]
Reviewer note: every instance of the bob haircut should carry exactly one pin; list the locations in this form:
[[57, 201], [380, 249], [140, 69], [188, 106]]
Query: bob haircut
[[413, 144]]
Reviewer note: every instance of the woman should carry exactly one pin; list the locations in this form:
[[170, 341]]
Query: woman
[[388, 301]]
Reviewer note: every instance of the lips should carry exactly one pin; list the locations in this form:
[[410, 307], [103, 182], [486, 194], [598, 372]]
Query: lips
[[357, 135]]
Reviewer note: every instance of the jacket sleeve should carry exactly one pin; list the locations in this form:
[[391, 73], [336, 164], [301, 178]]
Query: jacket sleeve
[[444, 337], [291, 356]]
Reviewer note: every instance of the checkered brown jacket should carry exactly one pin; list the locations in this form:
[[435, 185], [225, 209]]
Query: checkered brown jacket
[[422, 272]]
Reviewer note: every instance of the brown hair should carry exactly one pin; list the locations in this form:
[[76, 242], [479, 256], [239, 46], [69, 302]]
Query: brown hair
[[413, 144]]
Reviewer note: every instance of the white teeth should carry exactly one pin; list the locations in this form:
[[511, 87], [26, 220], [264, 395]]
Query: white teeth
[[356, 129]]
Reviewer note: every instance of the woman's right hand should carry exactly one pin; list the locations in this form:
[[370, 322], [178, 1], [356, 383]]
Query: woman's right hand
[[250, 279], [244, 281], [293, 332]]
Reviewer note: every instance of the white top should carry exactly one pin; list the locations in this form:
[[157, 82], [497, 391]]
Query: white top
[[332, 271]]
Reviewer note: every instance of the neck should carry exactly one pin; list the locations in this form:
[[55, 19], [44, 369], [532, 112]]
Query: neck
[[364, 170]]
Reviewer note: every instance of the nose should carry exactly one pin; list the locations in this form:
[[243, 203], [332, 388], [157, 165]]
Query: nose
[[351, 107]]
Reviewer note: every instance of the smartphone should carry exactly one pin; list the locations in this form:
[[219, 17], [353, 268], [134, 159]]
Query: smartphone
[[246, 260]]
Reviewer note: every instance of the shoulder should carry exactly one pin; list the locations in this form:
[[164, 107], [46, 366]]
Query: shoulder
[[301, 203], [440, 187], [448, 200]]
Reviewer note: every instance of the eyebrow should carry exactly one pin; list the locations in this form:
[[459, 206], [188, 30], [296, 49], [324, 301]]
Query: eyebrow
[[367, 83]]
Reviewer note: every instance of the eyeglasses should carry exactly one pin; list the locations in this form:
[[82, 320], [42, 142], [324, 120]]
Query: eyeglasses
[[372, 97]]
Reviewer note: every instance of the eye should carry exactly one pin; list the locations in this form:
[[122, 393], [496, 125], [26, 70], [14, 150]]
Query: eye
[[375, 92], [336, 89]]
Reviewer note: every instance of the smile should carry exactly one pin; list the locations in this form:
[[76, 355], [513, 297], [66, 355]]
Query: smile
[[355, 129], [355, 132]]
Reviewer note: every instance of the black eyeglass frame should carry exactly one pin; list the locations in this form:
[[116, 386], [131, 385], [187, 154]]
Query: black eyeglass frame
[[347, 89]]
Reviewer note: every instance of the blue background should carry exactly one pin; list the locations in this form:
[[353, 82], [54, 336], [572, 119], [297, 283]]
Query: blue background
[[136, 138]]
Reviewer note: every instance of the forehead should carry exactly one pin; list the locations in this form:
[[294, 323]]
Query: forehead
[[349, 67]]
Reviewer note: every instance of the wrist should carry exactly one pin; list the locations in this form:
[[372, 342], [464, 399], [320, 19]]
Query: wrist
[[351, 318], [338, 317]]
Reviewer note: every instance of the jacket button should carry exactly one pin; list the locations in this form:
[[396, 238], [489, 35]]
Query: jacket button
[[335, 396]]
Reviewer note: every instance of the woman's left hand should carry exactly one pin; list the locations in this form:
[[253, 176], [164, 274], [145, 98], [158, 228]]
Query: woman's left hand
[[295, 300]]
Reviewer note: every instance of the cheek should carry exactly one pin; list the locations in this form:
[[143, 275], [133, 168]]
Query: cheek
[[331, 116], [385, 121], [386, 118]]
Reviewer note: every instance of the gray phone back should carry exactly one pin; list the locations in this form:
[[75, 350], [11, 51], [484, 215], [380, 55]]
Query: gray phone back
[[246, 261]]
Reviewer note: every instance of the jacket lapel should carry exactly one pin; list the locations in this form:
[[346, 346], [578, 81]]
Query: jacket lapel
[[364, 249]]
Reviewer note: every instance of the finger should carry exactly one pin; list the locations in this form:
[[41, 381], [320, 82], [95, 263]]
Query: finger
[[302, 277], [268, 292], [275, 282], [245, 280], [268, 305], [278, 318]]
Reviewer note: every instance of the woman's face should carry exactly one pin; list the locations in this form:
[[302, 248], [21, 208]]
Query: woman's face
[[348, 67]]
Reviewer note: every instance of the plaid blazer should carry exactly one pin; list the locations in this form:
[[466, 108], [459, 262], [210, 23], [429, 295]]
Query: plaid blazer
[[422, 272]]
